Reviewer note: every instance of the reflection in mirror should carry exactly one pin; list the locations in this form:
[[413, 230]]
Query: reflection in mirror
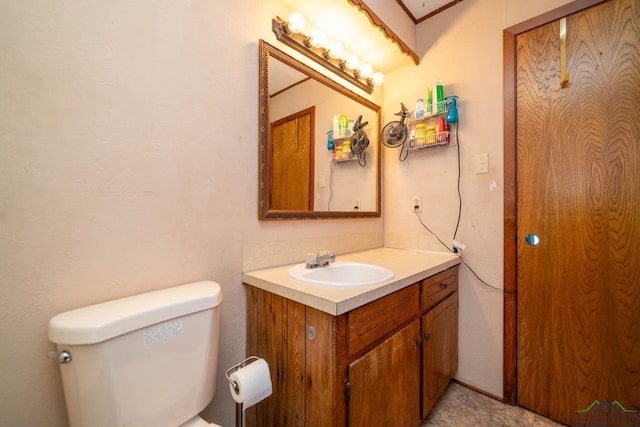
[[299, 177]]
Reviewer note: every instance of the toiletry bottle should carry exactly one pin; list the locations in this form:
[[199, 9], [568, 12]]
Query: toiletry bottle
[[429, 103], [452, 114], [439, 97], [431, 135], [350, 128], [330, 140], [442, 131], [421, 133], [419, 113], [346, 149], [342, 125]]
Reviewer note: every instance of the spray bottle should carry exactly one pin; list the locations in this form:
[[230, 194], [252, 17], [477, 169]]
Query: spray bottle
[[330, 140], [452, 115]]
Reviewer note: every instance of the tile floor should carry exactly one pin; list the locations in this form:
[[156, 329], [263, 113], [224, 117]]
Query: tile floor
[[462, 407]]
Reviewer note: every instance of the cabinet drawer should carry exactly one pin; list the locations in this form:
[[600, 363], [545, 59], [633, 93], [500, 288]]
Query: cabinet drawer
[[378, 318], [437, 287]]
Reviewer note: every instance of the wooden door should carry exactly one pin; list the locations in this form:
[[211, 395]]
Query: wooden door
[[578, 191], [388, 374], [440, 350], [292, 154]]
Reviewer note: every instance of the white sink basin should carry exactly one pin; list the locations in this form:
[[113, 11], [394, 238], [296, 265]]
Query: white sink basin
[[342, 273]]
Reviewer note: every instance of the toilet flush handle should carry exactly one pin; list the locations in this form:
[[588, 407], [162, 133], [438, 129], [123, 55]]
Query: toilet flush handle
[[62, 357]]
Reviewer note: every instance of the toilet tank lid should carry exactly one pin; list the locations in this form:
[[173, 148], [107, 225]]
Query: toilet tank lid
[[100, 322]]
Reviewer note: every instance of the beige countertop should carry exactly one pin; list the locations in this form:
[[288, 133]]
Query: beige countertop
[[408, 266]]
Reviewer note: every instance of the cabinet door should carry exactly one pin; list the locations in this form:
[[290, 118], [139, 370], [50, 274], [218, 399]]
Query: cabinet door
[[440, 350], [385, 382]]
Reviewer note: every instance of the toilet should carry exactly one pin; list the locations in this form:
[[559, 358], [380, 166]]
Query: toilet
[[144, 361]]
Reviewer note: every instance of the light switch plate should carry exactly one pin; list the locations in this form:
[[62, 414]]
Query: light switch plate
[[481, 164]]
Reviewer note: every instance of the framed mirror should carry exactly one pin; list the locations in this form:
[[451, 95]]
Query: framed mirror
[[299, 176]]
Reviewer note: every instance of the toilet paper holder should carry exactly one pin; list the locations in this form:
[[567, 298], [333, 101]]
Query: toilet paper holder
[[228, 372], [237, 366]]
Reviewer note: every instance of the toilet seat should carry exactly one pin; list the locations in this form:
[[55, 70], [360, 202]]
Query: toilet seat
[[197, 421]]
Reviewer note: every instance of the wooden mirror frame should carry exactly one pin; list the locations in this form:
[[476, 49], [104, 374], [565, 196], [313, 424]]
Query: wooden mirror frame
[[264, 210]]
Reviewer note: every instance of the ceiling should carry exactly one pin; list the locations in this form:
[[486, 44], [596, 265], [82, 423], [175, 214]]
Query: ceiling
[[419, 10], [345, 23], [362, 32]]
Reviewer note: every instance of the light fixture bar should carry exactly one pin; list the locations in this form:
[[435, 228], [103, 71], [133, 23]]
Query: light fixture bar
[[298, 41]]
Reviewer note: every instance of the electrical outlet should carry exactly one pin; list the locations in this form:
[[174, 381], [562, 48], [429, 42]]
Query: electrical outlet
[[459, 246], [417, 204], [356, 205]]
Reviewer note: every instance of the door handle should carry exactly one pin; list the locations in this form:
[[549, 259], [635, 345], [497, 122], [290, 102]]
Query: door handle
[[532, 239]]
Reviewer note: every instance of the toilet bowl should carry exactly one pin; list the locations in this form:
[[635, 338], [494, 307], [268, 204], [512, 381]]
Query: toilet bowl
[[145, 360]]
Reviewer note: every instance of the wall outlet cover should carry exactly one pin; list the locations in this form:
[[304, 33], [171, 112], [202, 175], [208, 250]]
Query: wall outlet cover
[[416, 201]]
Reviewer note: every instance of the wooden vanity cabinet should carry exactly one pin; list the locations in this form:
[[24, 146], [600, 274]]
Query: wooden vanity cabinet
[[440, 335], [371, 366], [385, 382]]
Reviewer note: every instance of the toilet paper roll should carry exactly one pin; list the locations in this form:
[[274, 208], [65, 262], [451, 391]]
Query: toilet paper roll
[[254, 383]]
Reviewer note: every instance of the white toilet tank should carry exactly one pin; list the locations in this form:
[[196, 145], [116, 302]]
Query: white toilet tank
[[144, 361]]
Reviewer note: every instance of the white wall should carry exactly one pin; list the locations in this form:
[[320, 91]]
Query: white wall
[[463, 47], [129, 163]]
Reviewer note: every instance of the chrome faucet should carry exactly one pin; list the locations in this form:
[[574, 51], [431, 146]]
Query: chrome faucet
[[323, 259]]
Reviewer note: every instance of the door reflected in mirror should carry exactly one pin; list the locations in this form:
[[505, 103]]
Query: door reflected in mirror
[[300, 176], [291, 153]]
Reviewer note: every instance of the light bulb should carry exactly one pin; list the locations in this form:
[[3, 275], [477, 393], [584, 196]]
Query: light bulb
[[366, 71], [352, 62], [317, 39], [336, 51], [378, 78], [296, 22]]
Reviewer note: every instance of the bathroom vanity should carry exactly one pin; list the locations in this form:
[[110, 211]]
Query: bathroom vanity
[[356, 356]]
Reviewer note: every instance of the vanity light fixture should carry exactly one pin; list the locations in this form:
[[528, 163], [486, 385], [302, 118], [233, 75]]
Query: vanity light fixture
[[336, 51], [330, 55], [366, 71], [317, 39], [296, 22], [378, 78], [352, 62]]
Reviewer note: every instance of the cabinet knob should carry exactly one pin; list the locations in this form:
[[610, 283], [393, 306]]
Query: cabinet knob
[[427, 336], [444, 285], [419, 342]]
